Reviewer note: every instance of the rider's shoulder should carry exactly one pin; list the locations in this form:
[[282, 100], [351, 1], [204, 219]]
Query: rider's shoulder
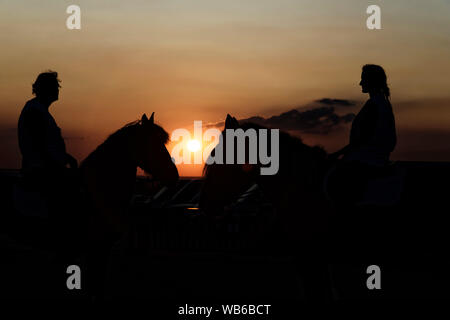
[[32, 111], [33, 106]]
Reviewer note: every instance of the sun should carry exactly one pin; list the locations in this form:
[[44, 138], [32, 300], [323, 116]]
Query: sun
[[193, 145]]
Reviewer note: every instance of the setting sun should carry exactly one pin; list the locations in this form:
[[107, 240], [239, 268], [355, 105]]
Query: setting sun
[[193, 145]]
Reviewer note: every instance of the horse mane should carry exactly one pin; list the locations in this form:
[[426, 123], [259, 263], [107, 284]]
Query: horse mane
[[122, 135], [288, 143]]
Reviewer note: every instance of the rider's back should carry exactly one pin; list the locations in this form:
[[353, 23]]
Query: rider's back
[[373, 136], [40, 140]]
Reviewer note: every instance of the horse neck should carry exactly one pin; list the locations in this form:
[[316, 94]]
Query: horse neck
[[110, 171], [299, 173]]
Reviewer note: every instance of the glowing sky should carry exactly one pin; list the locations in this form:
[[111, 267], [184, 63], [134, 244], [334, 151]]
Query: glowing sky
[[201, 59]]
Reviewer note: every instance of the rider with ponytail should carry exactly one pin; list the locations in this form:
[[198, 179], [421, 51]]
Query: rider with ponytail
[[373, 134]]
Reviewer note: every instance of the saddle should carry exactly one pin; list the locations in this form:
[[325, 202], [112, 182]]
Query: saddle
[[384, 188]]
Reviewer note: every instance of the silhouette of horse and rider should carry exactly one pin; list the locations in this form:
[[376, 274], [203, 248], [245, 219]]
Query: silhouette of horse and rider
[[88, 206], [372, 139]]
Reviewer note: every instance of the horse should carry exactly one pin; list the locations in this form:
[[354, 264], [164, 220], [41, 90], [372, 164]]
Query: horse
[[295, 191], [86, 210], [108, 178], [346, 235]]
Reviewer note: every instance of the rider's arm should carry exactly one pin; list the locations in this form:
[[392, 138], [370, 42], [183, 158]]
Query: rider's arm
[[385, 134], [34, 138], [341, 152]]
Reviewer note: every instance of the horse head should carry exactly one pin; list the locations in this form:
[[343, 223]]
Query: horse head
[[151, 153], [300, 167], [226, 180]]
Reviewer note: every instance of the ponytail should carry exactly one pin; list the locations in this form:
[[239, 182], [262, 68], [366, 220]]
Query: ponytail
[[387, 92]]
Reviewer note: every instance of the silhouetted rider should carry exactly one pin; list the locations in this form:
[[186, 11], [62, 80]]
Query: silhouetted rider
[[40, 140], [372, 137], [45, 160]]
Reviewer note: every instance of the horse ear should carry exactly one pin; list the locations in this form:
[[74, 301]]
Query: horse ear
[[228, 121], [152, 118], [144, 118], [231, 123]]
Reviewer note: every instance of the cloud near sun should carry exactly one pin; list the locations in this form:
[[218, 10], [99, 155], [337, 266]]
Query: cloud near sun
[[321, 117]]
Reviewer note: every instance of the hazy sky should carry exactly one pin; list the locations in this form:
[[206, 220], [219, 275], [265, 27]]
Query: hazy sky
[[201, 59]]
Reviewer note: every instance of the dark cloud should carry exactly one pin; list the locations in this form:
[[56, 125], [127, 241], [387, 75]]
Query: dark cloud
[[319, 119], [336, 102]]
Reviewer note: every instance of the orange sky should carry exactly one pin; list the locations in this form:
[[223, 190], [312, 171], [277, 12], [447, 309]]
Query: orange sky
[[199, 60]]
